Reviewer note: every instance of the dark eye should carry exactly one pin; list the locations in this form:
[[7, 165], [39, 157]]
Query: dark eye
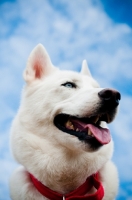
[[69, 85]]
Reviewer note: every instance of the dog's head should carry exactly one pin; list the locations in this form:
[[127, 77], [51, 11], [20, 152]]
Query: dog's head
[[66, 107]]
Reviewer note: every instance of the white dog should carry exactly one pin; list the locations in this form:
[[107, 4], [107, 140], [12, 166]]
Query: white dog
[[60, 136]]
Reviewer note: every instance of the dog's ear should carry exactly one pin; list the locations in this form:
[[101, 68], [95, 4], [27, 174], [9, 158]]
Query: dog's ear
[[38, 65], [85, 70]]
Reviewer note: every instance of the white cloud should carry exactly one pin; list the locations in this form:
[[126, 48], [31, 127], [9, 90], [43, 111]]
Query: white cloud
[[124, 120]]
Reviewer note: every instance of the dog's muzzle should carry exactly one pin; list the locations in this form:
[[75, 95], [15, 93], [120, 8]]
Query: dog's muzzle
[[88, 128]]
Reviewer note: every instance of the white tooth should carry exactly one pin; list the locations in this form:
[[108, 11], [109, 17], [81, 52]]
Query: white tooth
[[89, 132], [77, 129], [68, 123], [72, 127], [97, 118]]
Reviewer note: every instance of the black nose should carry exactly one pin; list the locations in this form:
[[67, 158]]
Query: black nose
[[110, 96]]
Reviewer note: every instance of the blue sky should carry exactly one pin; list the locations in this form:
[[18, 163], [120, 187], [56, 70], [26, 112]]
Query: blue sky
[[97, 30]]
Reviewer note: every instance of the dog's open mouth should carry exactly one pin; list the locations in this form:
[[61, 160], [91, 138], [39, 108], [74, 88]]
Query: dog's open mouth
[[86, 129]]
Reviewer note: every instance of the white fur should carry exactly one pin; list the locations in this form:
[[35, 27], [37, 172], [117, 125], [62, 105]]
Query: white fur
[[57, 159]]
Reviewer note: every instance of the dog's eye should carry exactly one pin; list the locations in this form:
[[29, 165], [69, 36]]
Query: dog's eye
[[69, 85]]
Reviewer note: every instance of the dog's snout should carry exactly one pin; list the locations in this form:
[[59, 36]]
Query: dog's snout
[[110, 95]]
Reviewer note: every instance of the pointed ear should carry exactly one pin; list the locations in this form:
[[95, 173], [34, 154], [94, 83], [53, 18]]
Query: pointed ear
[[85, 70], [38, 65]]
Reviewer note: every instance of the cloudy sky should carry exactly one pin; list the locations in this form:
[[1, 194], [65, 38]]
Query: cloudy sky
[[97, 30]]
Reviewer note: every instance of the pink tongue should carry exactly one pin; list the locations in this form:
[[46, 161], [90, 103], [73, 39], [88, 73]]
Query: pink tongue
[[101, 134]]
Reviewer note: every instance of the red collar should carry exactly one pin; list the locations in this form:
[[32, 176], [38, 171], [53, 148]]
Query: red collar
[[78, 194]]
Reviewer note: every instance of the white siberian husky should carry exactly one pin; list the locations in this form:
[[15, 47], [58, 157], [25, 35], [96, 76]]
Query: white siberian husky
[[60, 136]]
